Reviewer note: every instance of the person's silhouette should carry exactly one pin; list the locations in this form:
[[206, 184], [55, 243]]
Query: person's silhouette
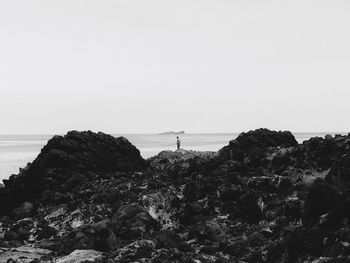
[[178, 142]]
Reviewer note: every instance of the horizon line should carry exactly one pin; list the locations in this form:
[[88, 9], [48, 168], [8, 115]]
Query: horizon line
[[153, 133]]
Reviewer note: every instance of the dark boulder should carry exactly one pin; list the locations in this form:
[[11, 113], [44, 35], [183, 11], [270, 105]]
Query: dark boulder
[[24, 210], [293, 207], [192, 192], [87, 151], [230, 194], [322, 153], [97, 236], [320, 199], [303, 241], [144, 251], [285, 183], [264, 183], [248, 205], [132, 221], [340, 173], [68, 161], [200, 188], [258, 139], [167, 239]]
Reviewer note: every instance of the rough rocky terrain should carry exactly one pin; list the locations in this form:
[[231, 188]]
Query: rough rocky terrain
[[90, 197]]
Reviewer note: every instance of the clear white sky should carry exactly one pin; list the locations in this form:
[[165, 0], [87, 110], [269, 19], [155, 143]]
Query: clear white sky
[[139, 66]]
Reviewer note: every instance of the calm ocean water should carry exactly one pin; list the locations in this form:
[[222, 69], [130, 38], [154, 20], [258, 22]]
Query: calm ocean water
[[17, 150]]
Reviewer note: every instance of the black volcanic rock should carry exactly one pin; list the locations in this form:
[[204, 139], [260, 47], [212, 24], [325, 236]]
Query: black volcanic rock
[[255, 141], [321, 198], [88, 151], [263, 138], [340, 171], [97, 236], [132, 221], [262, 198], [69, 161]]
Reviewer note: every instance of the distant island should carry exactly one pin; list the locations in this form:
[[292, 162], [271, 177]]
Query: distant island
[[171, 133]]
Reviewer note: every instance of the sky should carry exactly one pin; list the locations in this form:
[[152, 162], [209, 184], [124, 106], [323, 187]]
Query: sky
[[137, 66]]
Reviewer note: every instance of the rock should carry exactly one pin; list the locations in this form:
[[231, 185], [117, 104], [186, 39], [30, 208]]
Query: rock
[[230, 194], [136, 251], [132, 221], [248, 205], [328, 137], [209, 185], [73, 157], [167, 239], [285, 183], [267, 138], [196, 208], [181, 162], [257, 139], [193, 210], [210, 249], [192, 192], [230, 208], [338, 215], [320, 199], [293, 248], [24, 254], [96, 236], [206, 231], [144, 251], [24, 210], [82, 256], [339, 173], [262, 183], [320, 153], [53, 245], [236, 249], [10, 235], [216, 230], [293, 207], [22, 229], [303, 240], [75, 180]]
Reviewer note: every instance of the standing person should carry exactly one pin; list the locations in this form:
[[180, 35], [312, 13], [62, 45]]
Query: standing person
[[178, 142]]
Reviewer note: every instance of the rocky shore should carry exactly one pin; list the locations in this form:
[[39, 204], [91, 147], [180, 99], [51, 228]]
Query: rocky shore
[[90, 197]]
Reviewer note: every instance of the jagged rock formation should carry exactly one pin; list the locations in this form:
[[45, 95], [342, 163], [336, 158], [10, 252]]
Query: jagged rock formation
[[262, 198]]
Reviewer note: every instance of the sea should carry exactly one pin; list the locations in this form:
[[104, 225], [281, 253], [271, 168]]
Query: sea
[[17, 150]]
